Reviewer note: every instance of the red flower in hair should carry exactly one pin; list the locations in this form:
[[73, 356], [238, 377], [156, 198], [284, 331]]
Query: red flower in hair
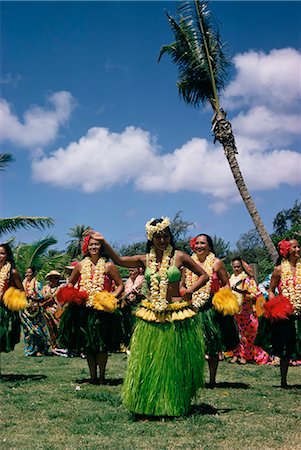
[[284, 247], [85, 244], [192, 243]]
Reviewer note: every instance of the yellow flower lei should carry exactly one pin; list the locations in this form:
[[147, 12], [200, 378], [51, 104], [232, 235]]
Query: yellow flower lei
[[4, 276], [158, 290], [291, 288], [200, 297], [95, 284], [160, 226]]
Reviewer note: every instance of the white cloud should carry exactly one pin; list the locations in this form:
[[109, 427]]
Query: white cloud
[[99, 160], [272, 79], [40, 125], [102, 159]]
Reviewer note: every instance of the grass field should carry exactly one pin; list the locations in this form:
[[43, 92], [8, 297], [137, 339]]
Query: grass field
[[43, 406]]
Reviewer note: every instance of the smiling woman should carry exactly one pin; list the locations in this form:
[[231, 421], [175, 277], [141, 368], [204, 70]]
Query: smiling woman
[[165, 367], [91, 325]]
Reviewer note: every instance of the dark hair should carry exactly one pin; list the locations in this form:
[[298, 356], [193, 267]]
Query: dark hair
[[209, 240], [150, 244], [9, 253], [33, 269], [236, 258]]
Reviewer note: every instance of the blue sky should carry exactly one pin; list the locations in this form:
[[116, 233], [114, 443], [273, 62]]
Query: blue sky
[[100, 136]]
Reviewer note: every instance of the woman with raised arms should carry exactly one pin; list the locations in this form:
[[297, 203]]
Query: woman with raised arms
[[165, 368]]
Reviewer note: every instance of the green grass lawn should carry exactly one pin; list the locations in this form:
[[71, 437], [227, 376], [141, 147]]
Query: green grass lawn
[[44, 407]]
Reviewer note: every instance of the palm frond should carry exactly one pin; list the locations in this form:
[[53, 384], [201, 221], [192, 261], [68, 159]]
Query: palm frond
[[28, 255], [5, 158], [11, 224], [198, 53]]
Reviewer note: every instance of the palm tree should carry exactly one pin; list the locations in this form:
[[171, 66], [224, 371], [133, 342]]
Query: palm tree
[[202, 74], [10, 224], [77, 234], [5, 158], [28, 255]]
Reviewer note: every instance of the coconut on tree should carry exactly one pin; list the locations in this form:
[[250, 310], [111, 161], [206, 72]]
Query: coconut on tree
[[202, 73]]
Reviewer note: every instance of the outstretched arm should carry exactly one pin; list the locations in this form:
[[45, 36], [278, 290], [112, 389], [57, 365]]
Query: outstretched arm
[[125, 261]]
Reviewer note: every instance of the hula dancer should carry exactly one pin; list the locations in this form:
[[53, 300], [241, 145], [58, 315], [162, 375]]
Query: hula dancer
[[12, 300], [219, 328], [89, 324], [165, 367], [279, 330]]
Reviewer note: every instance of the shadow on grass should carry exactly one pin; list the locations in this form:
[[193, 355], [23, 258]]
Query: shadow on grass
[[205, 409], [21, 377], [228, 385], [202, 410], [289, 387], [108, 382]]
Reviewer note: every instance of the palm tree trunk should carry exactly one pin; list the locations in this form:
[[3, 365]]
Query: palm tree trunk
[[223, 133]]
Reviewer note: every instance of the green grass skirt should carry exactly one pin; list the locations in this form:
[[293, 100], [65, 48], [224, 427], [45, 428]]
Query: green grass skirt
[[165, 368], [280, 338], [10, 329], [87, 330], [220, 332]]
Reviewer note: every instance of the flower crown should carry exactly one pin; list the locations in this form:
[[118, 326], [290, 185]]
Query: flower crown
[[153, 229], [284, 247]]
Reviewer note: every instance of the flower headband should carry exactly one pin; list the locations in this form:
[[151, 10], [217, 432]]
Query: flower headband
[[153, 229], [284, 247]]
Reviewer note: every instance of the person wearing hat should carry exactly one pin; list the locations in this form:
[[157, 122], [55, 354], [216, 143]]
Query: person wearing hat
[[51, 307]]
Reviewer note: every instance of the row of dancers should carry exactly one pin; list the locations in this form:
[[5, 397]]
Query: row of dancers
[[188, 308]]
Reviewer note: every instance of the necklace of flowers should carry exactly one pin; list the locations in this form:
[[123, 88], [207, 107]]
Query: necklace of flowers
[[92, 284], [200, 297], [291, 288], [234, 281], [4, 276], [159, 279], [30, 286]]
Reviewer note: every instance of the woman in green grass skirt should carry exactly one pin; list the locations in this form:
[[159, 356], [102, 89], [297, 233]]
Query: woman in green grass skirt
[[93, 327], [279, 331], [12, 299], [165, 367], [219, 328]]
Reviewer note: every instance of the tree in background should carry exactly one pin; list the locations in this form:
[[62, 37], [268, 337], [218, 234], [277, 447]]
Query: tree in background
[[28, 255], [11, 224], [202, 73], [77, 234], [287, 222]]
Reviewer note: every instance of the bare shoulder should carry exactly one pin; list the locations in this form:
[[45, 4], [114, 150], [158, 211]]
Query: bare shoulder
[[218, 264]]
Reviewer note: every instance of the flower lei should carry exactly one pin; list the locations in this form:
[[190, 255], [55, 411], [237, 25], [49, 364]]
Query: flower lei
[[30, 287], [200, 297], [153, 229], [95, 284], [291, 288], [234, 281], [158, 289], [4, 276]]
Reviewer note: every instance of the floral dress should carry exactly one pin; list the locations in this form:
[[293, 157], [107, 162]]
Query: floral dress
[[247, 321], [51, 309], [35, 332]]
